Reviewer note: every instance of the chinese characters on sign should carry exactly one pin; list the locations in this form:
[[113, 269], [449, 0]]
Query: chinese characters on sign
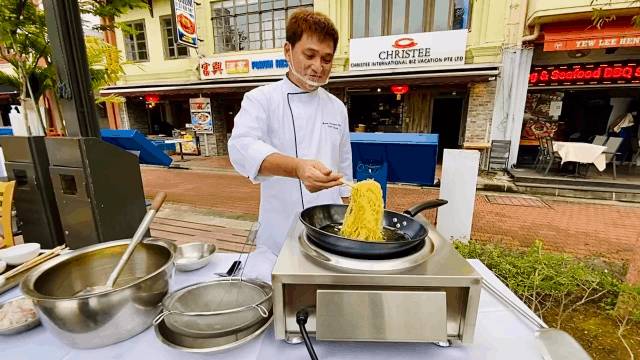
[[585, 74], [184, 16], [241, 66]]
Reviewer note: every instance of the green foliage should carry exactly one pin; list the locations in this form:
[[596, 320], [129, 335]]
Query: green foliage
[[10, 80], [23, 33], [111, 9], [23, 36], [558, 282], [545, 280], [627, 311], [105, 66], [601, 14]]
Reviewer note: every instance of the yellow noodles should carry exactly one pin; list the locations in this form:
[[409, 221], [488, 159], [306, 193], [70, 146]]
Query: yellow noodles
[[363, 220]]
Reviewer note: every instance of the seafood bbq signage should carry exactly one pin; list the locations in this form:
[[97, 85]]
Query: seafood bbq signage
[[184, 18], [585, 74], [432, 49]]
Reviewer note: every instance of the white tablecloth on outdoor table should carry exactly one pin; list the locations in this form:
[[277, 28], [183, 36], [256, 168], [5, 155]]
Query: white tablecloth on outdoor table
[[583, 153], [500, 334]]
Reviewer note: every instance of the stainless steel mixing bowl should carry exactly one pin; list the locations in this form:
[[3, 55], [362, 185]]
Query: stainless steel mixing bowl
[[104, 318]]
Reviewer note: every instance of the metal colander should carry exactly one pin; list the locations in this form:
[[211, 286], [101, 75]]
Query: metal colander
[[217, 308]]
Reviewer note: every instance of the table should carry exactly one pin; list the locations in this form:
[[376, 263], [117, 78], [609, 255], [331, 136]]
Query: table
[[582, 153], [500, 334], [179, 142]]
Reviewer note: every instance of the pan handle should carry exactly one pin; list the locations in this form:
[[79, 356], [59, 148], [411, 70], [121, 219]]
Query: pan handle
[[429, 204]]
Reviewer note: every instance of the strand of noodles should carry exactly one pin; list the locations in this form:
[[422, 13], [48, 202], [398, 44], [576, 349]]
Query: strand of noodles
[[363, 219]]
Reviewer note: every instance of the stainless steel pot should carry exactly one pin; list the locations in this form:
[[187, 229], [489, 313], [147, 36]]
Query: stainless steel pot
[[96, 320]]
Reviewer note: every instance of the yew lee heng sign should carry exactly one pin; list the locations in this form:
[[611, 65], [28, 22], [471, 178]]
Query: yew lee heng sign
[[431, 49]]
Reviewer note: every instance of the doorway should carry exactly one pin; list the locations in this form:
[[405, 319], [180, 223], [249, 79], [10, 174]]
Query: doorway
[[445, 121]]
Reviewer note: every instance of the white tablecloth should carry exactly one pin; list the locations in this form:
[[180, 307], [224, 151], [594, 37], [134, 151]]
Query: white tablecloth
[[583, 153], [500, 334]]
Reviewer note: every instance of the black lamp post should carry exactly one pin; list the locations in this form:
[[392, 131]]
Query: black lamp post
[[69, 56]]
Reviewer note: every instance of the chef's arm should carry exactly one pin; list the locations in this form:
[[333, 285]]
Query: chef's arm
[[314, 174]]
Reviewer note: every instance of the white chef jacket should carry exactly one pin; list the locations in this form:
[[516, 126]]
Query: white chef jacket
[[283, 118]]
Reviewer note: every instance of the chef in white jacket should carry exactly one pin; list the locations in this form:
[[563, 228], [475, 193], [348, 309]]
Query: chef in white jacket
[[292, 137]]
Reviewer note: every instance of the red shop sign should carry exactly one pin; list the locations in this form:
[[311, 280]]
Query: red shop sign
[[585, 74]]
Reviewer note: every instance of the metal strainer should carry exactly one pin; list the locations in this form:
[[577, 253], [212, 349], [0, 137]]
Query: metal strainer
[[219, 307], [216, 308]]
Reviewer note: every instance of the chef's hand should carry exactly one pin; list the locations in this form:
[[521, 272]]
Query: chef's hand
[[316, 176]]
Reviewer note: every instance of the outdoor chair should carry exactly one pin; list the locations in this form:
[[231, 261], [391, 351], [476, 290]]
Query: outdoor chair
[[499, 155], [613, 144], [551, 155], [542, 147], [6, 201], [599, 140]]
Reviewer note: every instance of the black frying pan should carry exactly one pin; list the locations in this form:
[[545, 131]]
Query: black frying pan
[[402, 233]]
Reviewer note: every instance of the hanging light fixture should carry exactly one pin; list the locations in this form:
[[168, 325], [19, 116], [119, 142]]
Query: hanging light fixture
[[151, 100], [399, 90]]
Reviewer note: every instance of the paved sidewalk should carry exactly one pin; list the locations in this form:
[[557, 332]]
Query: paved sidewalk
[[580, 227]]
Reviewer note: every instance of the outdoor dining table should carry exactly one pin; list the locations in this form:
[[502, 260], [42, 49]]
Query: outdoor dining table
[[581, 153], [500, 333]]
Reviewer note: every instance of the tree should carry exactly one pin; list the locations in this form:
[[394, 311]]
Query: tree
[[105, 67], [23, 35], [26, 48], [110, 9], [602, 13]]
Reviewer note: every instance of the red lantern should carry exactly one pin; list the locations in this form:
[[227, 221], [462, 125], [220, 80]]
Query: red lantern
[[399, 90], [151, 100]]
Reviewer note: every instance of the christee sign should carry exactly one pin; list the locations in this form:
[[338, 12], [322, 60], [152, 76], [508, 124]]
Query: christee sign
[[409, 50]]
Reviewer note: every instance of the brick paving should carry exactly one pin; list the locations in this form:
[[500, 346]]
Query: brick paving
[[608, 230], [515, 200]]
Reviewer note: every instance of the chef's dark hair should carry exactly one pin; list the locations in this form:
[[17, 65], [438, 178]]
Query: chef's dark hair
[[312, 23]]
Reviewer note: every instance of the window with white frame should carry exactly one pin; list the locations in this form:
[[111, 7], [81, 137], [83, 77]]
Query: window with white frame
[[393, 17], [135, 43], [172, 49], [252, 24]]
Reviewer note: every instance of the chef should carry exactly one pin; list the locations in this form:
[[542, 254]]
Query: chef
[[292, 137]]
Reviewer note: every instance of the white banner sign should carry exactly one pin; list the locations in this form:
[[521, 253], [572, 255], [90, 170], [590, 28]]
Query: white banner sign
[[430, 49], [221, 67]]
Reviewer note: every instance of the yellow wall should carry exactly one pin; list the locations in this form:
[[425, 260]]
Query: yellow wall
[[486, 38], [487, 34], [159, 69], [542, 11]]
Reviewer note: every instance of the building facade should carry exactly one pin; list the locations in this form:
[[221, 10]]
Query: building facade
[[577, 80], [446, 83]]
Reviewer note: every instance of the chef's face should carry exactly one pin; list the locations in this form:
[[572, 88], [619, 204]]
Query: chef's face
[[311, 58]]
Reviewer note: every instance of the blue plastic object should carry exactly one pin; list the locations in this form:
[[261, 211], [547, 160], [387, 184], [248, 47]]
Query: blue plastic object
[[162, 145], [6, 130], [377, 171], [411, 158], [133, 140]]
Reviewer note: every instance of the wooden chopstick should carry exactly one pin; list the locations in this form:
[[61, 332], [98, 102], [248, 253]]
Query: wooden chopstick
[[36, 261], [347, 182]]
